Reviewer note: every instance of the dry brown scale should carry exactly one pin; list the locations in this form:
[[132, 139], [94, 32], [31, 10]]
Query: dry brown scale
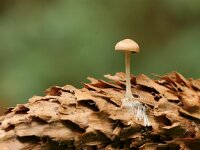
[[92, 117]]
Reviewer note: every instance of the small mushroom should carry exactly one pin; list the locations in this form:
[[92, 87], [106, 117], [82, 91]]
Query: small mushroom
[[128, 46]]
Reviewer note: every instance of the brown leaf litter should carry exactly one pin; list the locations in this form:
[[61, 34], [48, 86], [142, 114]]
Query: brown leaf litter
[[92, 117]]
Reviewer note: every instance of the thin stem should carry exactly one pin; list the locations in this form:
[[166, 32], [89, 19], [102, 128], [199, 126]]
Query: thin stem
[[128, 81], [133, 106]]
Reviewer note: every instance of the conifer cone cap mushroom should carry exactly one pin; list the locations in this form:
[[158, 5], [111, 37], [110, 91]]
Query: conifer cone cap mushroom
[[127, 45]]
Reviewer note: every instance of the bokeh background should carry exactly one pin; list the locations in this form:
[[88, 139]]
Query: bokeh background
[[58, 42]]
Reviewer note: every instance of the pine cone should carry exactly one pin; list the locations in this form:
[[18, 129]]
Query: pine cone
[[92, 117]]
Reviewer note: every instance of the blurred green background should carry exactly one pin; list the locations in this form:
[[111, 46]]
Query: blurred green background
[[58, 42]]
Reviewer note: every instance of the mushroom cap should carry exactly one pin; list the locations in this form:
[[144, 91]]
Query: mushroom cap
[[127, 45]]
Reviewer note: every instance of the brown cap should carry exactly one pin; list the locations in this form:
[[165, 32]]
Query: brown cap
[[127, 45]]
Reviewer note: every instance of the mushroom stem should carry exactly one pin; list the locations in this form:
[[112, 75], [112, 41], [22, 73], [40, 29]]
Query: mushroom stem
[[128, 79]]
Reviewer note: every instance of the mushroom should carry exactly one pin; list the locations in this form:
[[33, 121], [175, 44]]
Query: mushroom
[[128, 46]]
